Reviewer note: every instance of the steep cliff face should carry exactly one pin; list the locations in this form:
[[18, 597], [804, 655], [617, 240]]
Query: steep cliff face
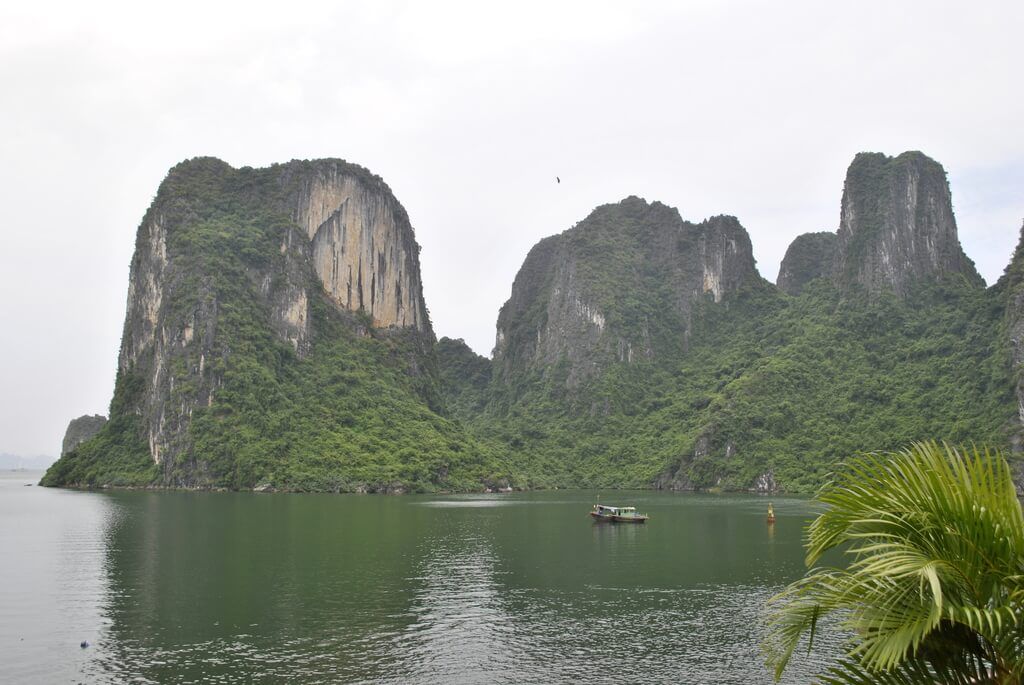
[[80, 430], [809, 256], [160, 334], [897, 225], [618, 287], [363, 247], [238, 276]]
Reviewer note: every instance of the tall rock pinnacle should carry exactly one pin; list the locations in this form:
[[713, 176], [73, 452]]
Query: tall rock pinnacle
[[219, 241], [897, 225]]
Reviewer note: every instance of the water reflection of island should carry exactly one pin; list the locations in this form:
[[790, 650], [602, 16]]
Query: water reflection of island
[[461, 626], [617, 531], [235, 587]]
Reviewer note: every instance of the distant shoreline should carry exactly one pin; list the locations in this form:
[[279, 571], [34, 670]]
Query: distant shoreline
[[400, 492]]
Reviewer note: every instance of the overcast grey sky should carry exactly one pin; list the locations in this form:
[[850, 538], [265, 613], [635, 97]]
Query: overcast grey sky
[[469, 110]]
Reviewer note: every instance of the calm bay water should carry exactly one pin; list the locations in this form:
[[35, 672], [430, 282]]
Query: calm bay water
[[181, 587]]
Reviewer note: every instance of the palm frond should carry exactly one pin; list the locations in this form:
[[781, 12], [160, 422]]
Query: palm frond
[[935, 542]]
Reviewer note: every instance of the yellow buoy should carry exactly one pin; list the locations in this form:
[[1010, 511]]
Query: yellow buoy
[[771, 513]]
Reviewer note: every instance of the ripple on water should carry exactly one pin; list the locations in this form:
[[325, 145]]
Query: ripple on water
[[469, 503]]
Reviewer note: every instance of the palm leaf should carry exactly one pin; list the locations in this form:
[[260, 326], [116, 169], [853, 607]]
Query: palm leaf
[[934, 585]]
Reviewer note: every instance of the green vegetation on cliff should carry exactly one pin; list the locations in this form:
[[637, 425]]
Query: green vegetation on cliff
[[465, 377], [773, 388], [360, 411]]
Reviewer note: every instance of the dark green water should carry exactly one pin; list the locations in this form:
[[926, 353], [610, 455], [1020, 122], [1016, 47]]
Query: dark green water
[[175, 587]]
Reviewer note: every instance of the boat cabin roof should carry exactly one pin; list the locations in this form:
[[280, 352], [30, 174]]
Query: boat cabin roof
[[604, 507]]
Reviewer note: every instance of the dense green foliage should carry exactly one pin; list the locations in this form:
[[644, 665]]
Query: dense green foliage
[[935, 585], [770, 384], [626, 273], [349, 417], [465, 377]]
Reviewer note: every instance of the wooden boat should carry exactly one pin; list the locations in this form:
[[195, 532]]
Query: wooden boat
[[604, 513], [630, 515]]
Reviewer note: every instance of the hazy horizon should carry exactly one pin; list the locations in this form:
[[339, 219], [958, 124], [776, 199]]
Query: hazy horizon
[[469, 114]]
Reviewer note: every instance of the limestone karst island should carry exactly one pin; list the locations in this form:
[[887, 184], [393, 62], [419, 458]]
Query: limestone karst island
[[277, 338]]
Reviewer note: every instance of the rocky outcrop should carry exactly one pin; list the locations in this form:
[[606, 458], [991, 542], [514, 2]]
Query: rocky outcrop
[[298, 233], [809, 256], [897, 226], [699, 469], [618, 287], [724, 257], [80, 430], [764, 483]]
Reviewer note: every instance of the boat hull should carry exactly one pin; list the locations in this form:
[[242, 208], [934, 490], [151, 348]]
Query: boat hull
[[629, 519]]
